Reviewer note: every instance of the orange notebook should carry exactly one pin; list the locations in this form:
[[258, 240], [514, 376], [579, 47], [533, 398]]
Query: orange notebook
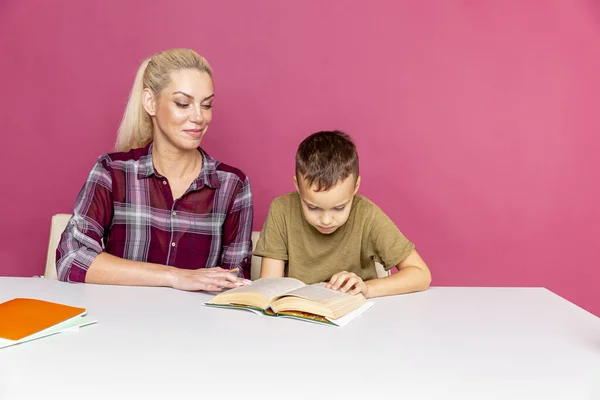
[[27, 319]]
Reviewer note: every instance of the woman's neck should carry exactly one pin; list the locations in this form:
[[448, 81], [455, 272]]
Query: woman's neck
[[175, 163]]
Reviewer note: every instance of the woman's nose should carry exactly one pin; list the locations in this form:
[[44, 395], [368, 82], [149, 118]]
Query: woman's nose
[[197, 116]]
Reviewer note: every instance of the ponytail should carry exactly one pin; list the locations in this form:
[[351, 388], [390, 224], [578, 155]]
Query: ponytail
[[136, 127]]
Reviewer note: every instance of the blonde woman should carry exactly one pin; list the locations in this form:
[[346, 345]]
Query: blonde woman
[[161, 211]]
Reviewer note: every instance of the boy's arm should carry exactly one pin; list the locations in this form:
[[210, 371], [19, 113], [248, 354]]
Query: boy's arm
[[413, 276], [271, 268]]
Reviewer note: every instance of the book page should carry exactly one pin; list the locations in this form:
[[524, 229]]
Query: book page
[[340, 322], [252, 309], [316, 292], [304, 316], [269, 287], [352, 315]]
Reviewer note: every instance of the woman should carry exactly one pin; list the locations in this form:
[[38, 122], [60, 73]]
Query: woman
[[167, 212]]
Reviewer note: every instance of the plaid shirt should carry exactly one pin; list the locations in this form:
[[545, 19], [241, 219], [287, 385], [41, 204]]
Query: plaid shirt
[[126, 209]]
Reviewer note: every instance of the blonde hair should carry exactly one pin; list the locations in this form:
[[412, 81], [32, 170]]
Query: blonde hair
[[136, 128]]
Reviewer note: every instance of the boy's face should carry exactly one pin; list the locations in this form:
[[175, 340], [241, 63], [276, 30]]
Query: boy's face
[[326, 211]]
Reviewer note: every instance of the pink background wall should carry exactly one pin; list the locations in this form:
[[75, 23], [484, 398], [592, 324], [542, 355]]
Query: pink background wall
[[477, 122]]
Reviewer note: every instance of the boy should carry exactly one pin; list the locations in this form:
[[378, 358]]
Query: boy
[[324, 231]]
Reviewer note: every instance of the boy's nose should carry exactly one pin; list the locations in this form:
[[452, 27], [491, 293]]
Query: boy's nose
[[326, 219]]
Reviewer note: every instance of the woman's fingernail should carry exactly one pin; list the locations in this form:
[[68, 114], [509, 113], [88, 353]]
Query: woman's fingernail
[[247, 282]]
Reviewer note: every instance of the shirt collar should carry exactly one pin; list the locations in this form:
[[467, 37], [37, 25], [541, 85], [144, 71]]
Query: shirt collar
[[145, 166], [208, 176]]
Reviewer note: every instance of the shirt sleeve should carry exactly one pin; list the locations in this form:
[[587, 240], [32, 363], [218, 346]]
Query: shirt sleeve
[[237, 231], [81, 240], [273, 239], [388, 245]]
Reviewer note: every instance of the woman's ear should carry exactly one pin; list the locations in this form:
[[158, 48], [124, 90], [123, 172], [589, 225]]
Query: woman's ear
[[149, 102]]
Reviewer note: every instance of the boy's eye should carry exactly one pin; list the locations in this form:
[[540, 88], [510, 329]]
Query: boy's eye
[[339, 208], [311, 208], [182, 105]]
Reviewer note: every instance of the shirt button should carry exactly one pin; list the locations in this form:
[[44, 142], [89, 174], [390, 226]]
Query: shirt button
[[173, 244], [164, 182], [174, 213]]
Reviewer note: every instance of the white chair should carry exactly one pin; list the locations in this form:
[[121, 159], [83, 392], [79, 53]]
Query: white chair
[[57, 226], [381, 272], [59, 223]]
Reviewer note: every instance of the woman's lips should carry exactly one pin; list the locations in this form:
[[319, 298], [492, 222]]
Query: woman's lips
[[195, 133]]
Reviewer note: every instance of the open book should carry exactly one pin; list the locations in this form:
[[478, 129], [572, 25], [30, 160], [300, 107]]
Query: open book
[[23, 320], [289, 297]]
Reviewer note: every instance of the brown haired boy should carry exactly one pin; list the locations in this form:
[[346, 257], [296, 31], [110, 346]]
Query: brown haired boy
[[326, 232]]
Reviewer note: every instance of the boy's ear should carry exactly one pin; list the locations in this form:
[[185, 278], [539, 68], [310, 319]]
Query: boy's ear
[[357, 185], [149, 102], [296, 184]]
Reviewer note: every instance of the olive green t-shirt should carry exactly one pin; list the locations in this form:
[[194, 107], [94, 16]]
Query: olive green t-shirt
[[368, 236]]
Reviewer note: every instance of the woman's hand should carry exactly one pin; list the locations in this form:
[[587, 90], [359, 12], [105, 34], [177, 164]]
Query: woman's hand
[[206, 279]]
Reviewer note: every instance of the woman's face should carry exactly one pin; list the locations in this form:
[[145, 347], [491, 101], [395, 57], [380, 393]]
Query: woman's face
[[183, 109]]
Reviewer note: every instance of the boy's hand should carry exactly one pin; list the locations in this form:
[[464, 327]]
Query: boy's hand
[[348, 281]]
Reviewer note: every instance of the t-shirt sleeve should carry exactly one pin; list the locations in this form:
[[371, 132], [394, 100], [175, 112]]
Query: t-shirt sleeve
[[388, 245], [273, 237]]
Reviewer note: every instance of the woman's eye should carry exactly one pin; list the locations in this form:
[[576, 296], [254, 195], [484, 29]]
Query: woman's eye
[[182, 105], [207, 106]]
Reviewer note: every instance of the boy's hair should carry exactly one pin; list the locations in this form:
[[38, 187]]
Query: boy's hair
[[326, 158]]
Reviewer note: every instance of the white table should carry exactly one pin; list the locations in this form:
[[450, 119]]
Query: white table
[[445, 343]]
